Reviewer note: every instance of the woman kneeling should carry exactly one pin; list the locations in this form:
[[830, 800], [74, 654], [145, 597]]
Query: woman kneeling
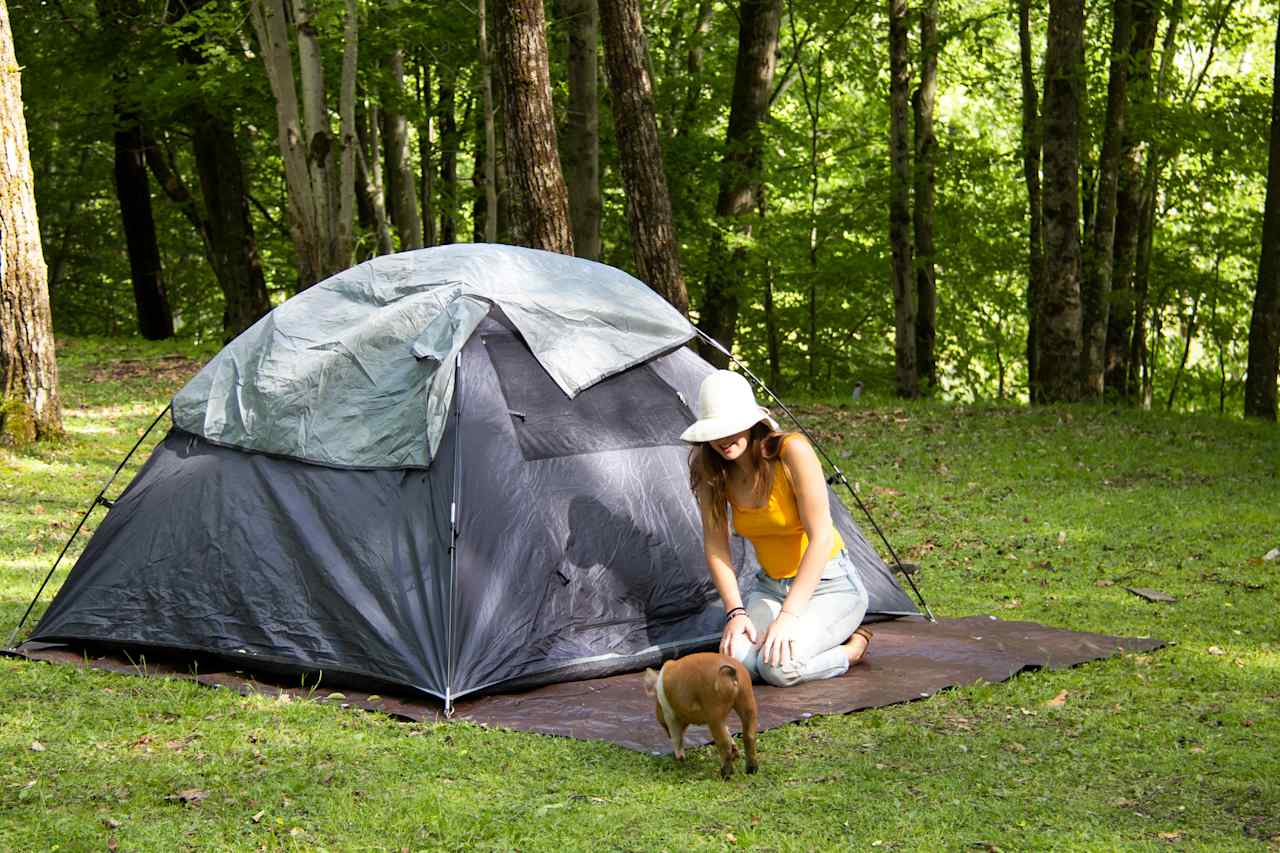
[[801, 621]]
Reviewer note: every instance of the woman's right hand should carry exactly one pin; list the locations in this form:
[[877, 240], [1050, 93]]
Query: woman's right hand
[[739, 625]]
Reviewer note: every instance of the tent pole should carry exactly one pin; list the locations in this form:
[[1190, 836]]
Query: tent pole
[[98, 499], [453, 534], [837, 477]]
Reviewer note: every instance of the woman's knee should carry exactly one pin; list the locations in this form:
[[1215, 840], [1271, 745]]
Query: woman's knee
[[780, 675]]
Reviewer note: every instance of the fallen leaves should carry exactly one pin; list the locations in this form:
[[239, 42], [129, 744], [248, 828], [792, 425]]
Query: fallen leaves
[[188, 796], [1057, 701], [1215, 650], [1151, 594]]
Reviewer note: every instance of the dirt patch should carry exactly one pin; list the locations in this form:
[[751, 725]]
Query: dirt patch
[[164, 368]]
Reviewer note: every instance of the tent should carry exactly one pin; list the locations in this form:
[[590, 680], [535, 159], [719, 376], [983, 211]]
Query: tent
[[445, 470]]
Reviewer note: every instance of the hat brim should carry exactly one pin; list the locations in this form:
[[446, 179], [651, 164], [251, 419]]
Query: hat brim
[[709, 429]]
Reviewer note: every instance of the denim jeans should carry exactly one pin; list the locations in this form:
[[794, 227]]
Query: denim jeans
[[836, 608]]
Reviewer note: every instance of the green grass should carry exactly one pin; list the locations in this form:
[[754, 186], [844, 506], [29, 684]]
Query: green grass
[[1041, 514]]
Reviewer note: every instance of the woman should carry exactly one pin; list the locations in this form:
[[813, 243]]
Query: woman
[[799, 622]]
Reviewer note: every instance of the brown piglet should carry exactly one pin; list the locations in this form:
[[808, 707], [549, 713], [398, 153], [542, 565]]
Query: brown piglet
[[701, 689]]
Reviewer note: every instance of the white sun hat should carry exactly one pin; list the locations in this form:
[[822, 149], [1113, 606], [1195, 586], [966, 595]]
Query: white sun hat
[[725, 405]]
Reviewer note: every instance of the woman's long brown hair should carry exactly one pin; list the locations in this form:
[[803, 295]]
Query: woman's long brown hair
[[708, 470]]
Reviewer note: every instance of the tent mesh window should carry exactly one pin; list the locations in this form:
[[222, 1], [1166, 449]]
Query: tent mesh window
[[634, 408]]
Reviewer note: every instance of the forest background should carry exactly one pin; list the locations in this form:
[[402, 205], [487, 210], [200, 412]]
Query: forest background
[[855, 192]]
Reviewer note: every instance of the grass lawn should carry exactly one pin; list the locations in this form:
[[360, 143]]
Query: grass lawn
[[1043, 514]]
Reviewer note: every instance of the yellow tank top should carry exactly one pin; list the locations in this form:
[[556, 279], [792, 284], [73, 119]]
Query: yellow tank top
[[775, 529]]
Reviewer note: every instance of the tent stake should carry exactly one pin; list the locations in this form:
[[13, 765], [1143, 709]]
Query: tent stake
[[838, 476], [98, 499]]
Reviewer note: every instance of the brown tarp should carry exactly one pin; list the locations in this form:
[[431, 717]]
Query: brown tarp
[[908, 659]]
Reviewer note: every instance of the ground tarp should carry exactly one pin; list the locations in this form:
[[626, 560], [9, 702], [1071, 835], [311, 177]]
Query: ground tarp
[[909, 658]]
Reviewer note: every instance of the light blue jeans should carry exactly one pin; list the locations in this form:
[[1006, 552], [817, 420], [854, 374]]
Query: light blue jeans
[[836, 608]]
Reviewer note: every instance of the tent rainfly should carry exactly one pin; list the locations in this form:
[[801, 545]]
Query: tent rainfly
[[447, 470]]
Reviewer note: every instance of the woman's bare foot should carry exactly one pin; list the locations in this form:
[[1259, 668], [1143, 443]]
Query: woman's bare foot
[[856, 646]]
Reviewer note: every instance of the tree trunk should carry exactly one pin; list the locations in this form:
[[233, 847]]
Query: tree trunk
[[233, 247], [369, 162], [773, 343], [29, 404], [741, 172], [1139, 367], [426, 153], [1190, 331], [447, 122], [1140, 371], [813, 107], [1133, 150], [542, 206], [902, 272], [926, 146], [490, 136], [402, 195], [693, 63], [1031, 140], [1058, 325], [321, 197], [1097, 266], [133, 190], [1264, 328], [119, 19], [223, 221], [653, 235], [582, 131]]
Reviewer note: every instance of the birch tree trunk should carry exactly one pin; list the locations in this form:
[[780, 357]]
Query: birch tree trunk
[[653, 234], [1031, 141], [1264, 327], [1098, 258], [401, 192], [926, 146], [542, 206], [321, 197], [901, 269], [1059, 321], [29, 404], [741, 172], [582, 127]]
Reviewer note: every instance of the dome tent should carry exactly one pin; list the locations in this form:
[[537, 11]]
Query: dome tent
[[446, 470]]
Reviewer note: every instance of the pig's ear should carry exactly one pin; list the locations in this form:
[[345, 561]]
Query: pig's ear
[[650, 682]]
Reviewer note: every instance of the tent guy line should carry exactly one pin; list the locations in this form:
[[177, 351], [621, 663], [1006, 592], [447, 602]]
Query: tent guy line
[[98, 499]]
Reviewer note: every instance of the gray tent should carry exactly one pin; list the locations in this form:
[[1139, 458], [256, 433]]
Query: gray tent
[[446, 470]]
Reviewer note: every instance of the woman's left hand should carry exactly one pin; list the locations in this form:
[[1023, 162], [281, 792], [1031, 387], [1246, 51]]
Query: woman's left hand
[[778, 640]]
